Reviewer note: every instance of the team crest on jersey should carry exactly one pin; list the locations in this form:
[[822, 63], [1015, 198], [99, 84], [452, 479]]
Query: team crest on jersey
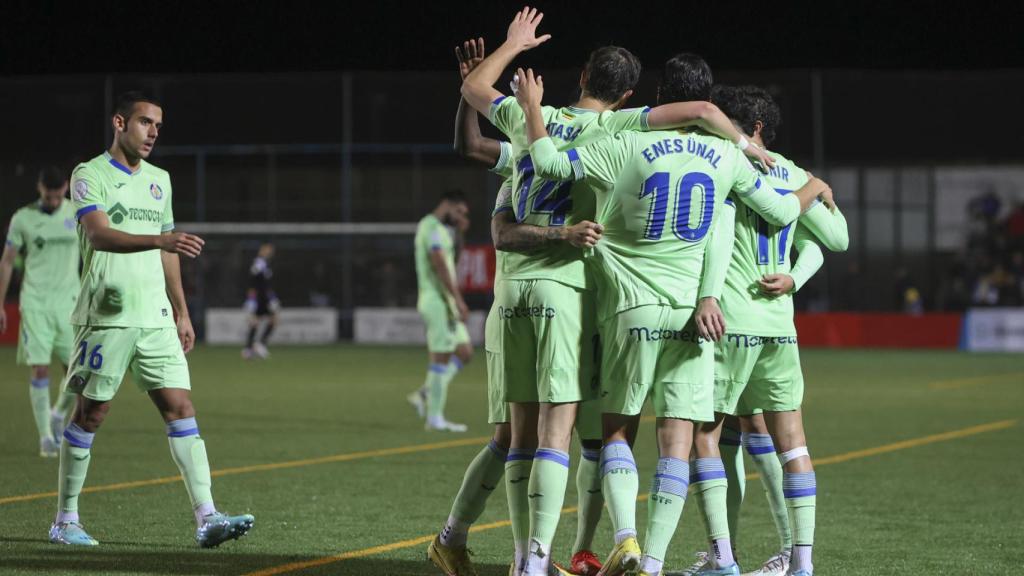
[[69, 223], [156, 191], [81, 190]]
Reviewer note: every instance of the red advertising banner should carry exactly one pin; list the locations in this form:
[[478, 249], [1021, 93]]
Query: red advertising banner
[[877, 330], [475, 270]]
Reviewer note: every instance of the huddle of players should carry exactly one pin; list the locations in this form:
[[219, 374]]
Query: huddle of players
[[126, 313], [619, 232]]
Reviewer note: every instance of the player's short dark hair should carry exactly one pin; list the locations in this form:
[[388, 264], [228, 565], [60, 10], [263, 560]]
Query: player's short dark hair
[[457, 196], [753, 104], [52, 177], [687, 77], [611, 71], [126, 102]]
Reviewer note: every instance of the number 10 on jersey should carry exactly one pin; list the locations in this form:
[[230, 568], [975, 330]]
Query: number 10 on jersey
[[692, 184]]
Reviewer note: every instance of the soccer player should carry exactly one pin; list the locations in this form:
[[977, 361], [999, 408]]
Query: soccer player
[[261, 303], [443, 310], [448, 550], [509, 235], [547, 330], [757, 364], [45, 230], [659, 193], [131, 314]]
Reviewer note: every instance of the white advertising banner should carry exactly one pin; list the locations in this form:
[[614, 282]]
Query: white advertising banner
[[404, 326], [294, 326], [994, 330]]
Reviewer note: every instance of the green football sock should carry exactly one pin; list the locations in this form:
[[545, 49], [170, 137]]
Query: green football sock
[[665, 505], [620, 485], [75, 454], [189, 452], [712, 487], [736, 475], [481, 478], [438, 377], [547, 494], [762, 452], [800, 489], [518, 470], [590, 499], [39, 394]]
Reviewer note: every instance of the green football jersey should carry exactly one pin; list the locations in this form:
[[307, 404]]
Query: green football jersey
[[658, 194], [544, 202], [50, 281], [761, 248], [432, 234], [123, 290]]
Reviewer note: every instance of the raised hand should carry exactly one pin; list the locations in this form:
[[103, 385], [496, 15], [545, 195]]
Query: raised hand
[[759, 156], [522, 32], [469, 55], [529, 89], [825, 191]]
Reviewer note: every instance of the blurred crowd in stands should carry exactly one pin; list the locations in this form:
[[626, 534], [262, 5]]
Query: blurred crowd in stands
[[991, 269]]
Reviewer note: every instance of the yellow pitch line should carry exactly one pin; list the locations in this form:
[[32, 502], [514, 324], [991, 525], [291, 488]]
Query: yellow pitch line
[[976, 381], [411, 449], [902, 445]]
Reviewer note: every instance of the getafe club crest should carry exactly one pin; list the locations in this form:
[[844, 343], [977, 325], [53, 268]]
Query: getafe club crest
[[156, 191], [81, 190]]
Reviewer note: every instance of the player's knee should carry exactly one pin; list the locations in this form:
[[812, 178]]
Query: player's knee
[[503, 435], [89, 418], [464, 354], [40, 372], [796, 459]]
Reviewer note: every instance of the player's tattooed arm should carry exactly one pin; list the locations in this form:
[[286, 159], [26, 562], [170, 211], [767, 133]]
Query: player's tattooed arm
[[105, 239], [478, 87], [469, 141], [511, 236], [708, 117], [6, 269]]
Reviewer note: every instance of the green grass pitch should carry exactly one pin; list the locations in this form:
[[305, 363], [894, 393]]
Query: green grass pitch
[[949, 506]]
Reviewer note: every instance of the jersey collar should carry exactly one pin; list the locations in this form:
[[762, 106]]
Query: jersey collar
[[120, 166]]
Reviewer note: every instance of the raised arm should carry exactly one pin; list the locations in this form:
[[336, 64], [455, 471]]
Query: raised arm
[[709, 118], [548, 162], [469, 141], [478, 87], [717, 256], [829, 226]]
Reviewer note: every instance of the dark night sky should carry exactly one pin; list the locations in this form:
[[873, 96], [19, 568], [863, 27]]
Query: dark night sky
[[48, 37]]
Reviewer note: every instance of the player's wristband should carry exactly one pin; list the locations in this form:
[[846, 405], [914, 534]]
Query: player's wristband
[[743, 143]]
